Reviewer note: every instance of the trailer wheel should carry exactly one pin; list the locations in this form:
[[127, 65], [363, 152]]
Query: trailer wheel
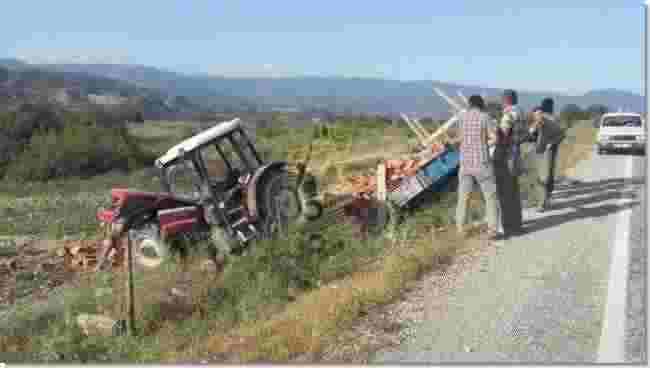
[[389, 223], [150, 250]]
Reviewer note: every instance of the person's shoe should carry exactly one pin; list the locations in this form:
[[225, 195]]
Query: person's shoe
[[494, 236], [514, 232], [543, 207]]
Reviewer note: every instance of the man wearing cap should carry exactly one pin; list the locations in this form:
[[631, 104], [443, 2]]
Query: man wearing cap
[[507, 163], [547, 134]]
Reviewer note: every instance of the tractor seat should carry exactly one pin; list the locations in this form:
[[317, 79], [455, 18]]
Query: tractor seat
[[228, 183], [222, 186]]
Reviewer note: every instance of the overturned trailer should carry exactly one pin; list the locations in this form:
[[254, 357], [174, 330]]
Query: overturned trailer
[[399, 184]]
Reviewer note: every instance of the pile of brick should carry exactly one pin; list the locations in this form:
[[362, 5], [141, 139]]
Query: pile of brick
[[364, 186], [82, 255], [7, 266]]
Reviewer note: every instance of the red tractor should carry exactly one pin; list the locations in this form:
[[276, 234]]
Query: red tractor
[[216, 188]]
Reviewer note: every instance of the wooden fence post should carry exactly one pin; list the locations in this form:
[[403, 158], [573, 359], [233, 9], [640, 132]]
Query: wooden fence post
[[130, 297]]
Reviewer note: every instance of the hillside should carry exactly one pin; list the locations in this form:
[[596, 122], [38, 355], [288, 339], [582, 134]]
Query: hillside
[[166, 92], [79, 90], [355, 95]]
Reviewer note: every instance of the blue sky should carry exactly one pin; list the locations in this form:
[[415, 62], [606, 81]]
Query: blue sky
[[569, 46]]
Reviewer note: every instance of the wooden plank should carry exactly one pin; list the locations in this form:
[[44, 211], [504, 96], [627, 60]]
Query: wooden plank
[[381, 182], [449, 100], [443, 129], [130, 287], [421, 137], [421, 128], [381, 192], [463, 98], [440, 131]]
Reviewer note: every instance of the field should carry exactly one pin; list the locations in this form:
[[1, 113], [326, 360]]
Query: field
[[276, 303]]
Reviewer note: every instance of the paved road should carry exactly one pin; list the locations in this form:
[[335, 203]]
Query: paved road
[[545, 297]]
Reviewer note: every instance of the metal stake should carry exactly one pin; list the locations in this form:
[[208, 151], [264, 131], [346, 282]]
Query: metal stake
[[130, 287]]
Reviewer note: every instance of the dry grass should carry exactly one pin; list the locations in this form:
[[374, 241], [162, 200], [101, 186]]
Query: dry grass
[[313, 321], [577, 146]]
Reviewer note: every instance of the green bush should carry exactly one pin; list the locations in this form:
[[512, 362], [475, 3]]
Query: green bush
[[41, 142], [76, 150]]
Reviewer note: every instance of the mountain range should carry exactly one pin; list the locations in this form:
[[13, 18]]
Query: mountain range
[[183, 92]]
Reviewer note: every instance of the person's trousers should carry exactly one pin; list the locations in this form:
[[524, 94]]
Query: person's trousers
[[514, 162], [508, 192], [487, 183], [546, 163]]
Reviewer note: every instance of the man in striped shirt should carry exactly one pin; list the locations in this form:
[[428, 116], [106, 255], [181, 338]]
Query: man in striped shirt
[[478, 132]]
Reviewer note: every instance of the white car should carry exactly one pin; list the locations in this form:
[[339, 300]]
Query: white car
[[621, 132]]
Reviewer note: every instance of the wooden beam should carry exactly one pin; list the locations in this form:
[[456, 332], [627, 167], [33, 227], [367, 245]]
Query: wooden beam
[[449, 100], [421, 136], [381, 181], [417, 124], [381, 192], [443, 129], [130, 287], [454, 105], [463, 98]]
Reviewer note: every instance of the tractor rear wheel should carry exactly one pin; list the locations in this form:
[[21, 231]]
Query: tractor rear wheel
[[150, 250], [280, 204]]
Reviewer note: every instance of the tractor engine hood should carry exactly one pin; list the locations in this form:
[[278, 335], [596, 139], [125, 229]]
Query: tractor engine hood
[[127, 200]]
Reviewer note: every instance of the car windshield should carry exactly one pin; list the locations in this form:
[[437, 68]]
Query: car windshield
[[622, 121]]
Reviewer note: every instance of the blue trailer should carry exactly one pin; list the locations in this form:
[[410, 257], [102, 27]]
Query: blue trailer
[[432, 176]]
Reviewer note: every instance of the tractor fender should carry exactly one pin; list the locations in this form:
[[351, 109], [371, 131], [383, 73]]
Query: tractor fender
[[251, 188]]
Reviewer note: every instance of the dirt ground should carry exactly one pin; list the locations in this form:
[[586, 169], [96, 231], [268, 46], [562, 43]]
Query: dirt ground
[[30, 267]]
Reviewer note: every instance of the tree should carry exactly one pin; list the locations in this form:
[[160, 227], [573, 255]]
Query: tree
[[571, 113], [597, 110], [330, 117], [571, 109]]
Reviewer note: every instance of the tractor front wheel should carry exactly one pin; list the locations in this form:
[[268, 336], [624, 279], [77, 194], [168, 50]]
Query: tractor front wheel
[[150, 250]]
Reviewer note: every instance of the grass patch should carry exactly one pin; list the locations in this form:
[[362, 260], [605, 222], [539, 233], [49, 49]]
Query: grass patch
[[281, 300], [253, 286], [578, 146], [62, 207], [315, 319]]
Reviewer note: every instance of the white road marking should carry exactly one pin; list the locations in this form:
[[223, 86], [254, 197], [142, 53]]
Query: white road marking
[[612, 340]]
